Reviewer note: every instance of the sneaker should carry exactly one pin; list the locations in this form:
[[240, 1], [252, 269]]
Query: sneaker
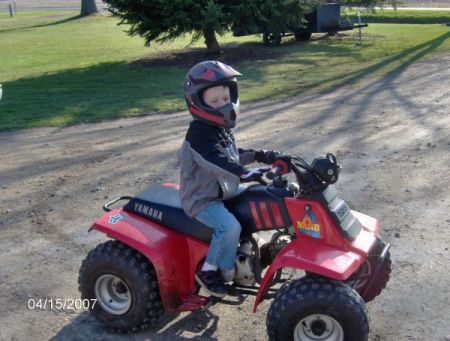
[[212, 282]]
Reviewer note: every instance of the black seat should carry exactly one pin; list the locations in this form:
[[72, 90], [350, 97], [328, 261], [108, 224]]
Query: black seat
[[161, 204]]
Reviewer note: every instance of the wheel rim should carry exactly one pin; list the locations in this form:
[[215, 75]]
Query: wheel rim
[[112, 294], [272, 38], [318, 327]]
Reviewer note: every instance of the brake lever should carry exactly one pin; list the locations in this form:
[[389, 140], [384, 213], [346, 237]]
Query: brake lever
[[267, 175], [262, 181]]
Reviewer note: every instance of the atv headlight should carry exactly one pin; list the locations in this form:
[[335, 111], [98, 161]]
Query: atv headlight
[[326, 168]]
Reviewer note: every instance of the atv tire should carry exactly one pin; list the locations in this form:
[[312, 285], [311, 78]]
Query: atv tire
[[125, 286], [315, 308], [366, 271], [272, 38], [303, 36]]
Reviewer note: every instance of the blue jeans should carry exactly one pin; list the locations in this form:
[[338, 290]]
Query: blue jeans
[[225, 239]]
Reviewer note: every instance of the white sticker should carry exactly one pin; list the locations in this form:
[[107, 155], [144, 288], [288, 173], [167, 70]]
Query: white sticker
[[114, 219]]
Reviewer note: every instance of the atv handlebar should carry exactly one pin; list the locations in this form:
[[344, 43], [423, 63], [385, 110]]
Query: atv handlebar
[[275, 171], [310, 178]]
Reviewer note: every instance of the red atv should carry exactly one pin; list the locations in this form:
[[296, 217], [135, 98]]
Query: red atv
[[149, 267]]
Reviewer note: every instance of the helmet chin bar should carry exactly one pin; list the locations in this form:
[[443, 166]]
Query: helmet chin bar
[[221, 117]]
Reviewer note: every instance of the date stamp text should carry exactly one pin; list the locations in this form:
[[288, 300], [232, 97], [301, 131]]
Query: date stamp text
[[61, 304]]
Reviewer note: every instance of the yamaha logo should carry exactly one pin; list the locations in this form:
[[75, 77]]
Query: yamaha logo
[[148, 211], [342, 211]]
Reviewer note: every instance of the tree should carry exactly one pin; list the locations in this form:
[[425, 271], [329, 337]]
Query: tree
[[165, 20], [258, 16], [88, 7]]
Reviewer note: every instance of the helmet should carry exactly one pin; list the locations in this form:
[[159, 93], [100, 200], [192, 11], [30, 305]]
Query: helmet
[[205, 75]]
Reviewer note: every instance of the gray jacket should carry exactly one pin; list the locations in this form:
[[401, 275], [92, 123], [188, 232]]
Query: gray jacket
[[210, 166]]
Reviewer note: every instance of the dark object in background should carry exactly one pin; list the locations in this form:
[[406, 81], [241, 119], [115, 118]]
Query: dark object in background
[[324, 19]]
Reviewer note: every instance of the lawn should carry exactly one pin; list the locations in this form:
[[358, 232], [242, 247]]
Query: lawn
[[59, 69]]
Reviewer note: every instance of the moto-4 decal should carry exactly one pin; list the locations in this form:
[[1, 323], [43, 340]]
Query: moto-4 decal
[[308, 225]]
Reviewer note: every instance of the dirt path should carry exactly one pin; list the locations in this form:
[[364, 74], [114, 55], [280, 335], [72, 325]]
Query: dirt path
[[391, 136]]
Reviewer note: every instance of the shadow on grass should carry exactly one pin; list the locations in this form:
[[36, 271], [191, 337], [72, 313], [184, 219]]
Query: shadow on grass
[[104, 91], [392, 66], [118, 89], [113, 90], [404, 59], [233, 54], [380, 18], [407, 57], [47, 24]]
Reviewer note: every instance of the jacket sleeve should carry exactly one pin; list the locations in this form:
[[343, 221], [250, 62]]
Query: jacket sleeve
[[207, 146], [246, 156]]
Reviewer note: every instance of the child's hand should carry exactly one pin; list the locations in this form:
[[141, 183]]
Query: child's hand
[[266, 156], [254, 174]]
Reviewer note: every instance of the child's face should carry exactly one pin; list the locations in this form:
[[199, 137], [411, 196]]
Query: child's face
[[217, 96]]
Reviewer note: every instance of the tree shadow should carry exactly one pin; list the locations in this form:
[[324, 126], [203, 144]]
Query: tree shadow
[[100, 92], [233, 53], [53, 23], [118, 89], [408, 57]]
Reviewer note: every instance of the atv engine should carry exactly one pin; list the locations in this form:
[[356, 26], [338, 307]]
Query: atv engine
[[244, 265], [243, 272]]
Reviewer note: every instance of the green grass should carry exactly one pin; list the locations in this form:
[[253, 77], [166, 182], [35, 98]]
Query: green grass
[[59, 69], [407, 17]]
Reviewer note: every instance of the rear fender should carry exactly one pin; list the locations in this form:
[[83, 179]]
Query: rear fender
[[174, 256], [311, 256]]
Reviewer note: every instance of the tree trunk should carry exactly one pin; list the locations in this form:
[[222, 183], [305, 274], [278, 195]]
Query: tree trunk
[[88, 7], [211, 41]]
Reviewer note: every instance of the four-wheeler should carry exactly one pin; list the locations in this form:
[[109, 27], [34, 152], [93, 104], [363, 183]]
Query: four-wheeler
[[149, 266]]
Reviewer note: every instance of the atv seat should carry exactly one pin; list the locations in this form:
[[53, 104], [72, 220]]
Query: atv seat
[[161, 204]]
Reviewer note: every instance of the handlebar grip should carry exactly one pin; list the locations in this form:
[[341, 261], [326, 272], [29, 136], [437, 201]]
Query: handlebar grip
[[281, 166], [273, 172]]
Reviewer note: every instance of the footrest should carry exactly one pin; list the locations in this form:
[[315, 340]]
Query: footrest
[[193, 302]]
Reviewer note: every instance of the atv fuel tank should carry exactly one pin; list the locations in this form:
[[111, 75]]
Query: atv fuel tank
[[259, 209], [348, 225]]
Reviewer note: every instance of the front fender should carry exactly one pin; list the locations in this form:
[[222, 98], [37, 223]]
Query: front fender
[[312, 256]]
